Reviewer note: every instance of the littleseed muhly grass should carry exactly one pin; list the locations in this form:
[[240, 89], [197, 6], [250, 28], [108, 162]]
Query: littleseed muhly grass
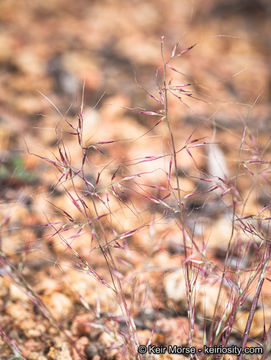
[[94, 202]]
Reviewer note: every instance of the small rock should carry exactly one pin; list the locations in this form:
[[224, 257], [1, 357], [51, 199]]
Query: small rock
[[3, 287], [260, 318], [206, 292], [16, 293], [176, 330], [94, 349], [59, 304], [18, 312], [59, 353], [175, 287], [81, 344]]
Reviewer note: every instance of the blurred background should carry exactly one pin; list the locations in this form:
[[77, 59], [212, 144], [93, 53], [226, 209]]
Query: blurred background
[[54, 47], [51, 50]]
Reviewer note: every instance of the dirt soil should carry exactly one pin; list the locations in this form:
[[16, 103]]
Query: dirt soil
[[66, 265]]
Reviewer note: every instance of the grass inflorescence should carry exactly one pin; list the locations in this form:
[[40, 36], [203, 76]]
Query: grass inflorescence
[[154, 197]]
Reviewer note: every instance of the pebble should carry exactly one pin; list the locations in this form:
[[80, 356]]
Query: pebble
[[59, 304]]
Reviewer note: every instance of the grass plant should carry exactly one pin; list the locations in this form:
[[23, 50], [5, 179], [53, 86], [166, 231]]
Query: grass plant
[[99, 201]]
